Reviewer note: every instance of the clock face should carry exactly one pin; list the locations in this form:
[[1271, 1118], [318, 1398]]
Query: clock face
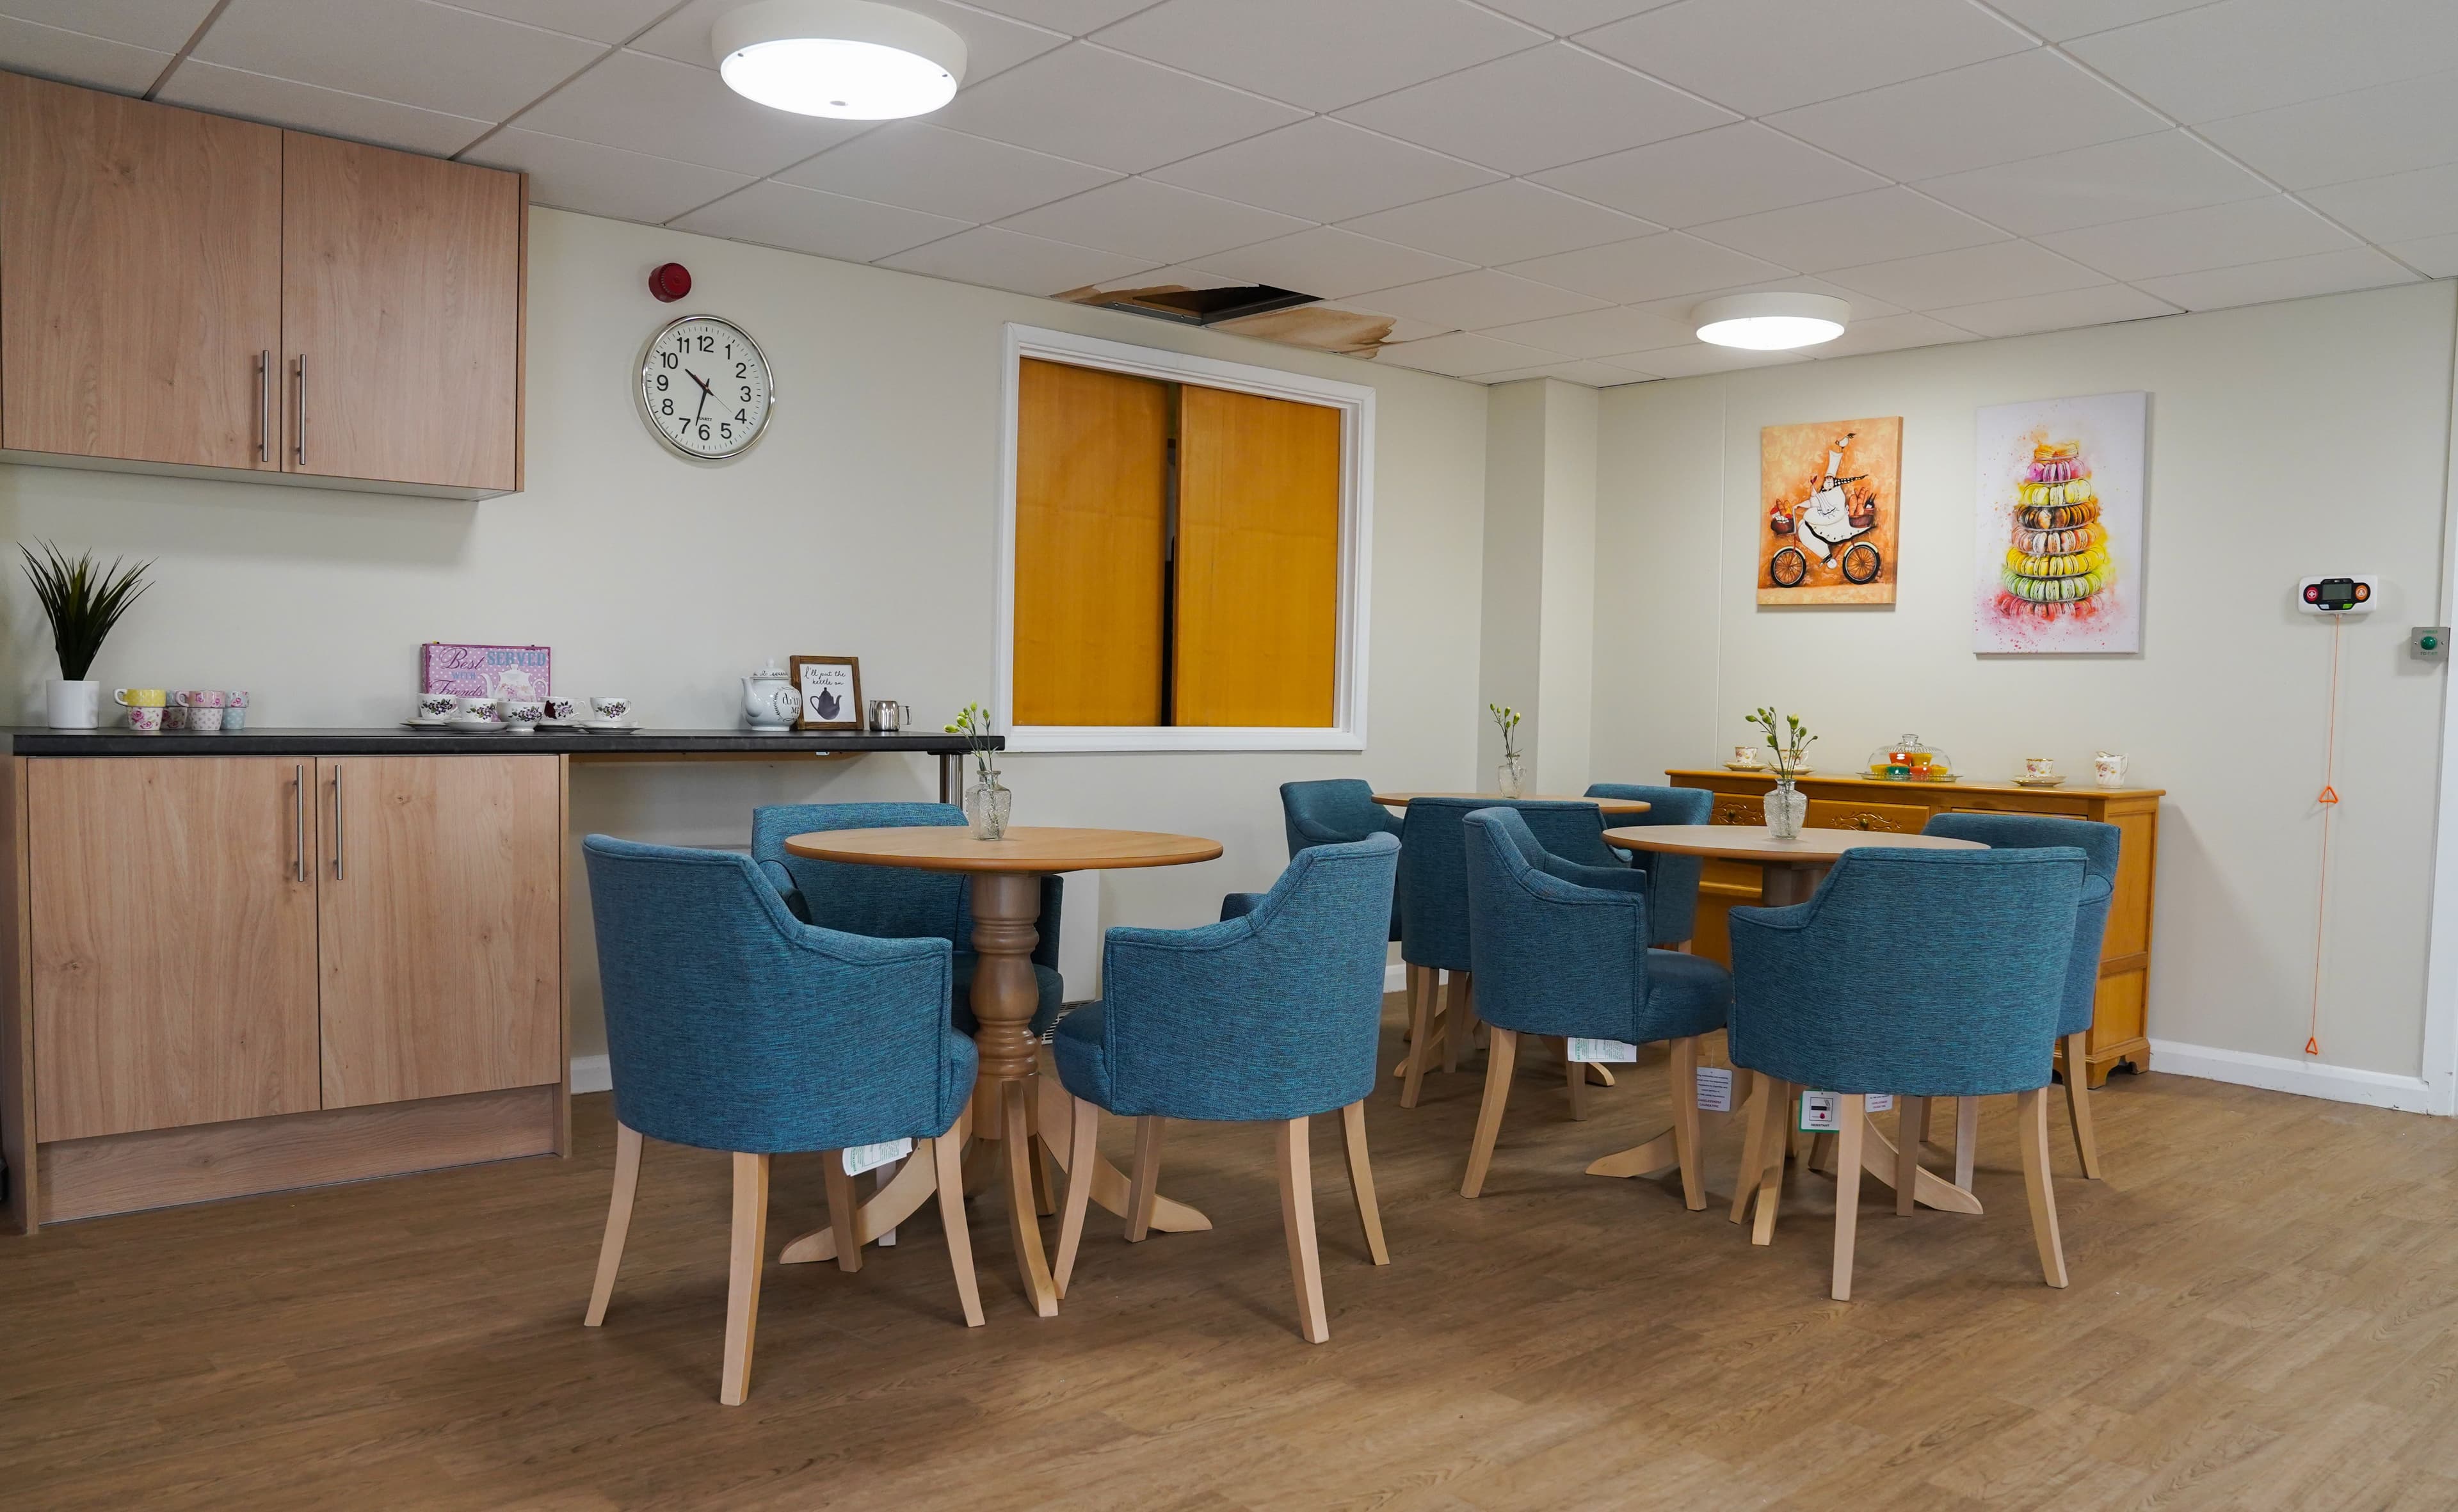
[[705, 387]]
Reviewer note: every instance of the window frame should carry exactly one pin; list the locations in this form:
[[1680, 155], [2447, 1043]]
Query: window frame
[[1355, 403]]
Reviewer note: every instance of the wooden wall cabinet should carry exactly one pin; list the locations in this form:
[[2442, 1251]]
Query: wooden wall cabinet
[[245, 973], [2119, 1033], [190, 294]]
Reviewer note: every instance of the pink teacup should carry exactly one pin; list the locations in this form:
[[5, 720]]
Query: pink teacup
[[204, 707], [145, 719]]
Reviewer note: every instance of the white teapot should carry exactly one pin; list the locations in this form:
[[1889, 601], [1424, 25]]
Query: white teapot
[[768, 700]]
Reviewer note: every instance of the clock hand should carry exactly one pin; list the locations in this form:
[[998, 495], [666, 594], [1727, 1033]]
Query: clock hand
[[701, 382]]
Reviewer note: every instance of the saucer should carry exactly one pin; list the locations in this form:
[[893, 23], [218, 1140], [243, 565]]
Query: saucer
[[477, 726], [427, 724], [609, 726], [2038, 782], [1747, 766]]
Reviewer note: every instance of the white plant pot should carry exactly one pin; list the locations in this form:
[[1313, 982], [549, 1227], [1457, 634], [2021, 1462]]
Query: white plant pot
[[72, 705]]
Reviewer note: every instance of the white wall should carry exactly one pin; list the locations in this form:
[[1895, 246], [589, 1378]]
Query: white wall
[[2285, 440], [860, 524], [1540, 509]]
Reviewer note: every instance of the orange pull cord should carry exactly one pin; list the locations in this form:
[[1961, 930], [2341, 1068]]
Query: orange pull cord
[[2329, 801]]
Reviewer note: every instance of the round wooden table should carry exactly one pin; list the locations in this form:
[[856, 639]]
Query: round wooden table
[[1401, 800], [1792, 870], [1005, 879]]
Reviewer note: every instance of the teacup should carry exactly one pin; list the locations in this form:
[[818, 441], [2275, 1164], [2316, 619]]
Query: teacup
[[472, 705], [175, 714], [140, 698], [203, 707], [234, 711], [145, 719], [559, 709], [519, 713], [610, 707], [2109, 769], [1745, 755], [436, 707], [2039, 766]]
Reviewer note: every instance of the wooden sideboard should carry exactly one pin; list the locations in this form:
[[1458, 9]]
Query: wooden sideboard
[[1879, 806]]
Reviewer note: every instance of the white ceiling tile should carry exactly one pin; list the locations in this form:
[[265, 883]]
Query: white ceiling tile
[[1332, 263], [1698, 357], [1504, 222], [1072, 17], [924, 167], [1324, 169], [1599, 332], [2060, 19], [603, 180], [2245, 55], [1652, 267], [1565, 17], [1889, 333], [410, 52], [1592, 375], [2024, 106], [1461, 353], [1537, 109], [2097, 306], [1735, 170], [778, 214], [2395, 207], [642, 103], [159, 26], [608, 21], [1760, 57], [1011, 260], [993, 44], [1095, 106], [1474, 301], [2189, 240], [2388, 129], [283, 102], [2091, 186], [77, 58], [1155, 220], [2290, 279], [2436, 256], [1321, 56], [1872, 227], [2001, 270]]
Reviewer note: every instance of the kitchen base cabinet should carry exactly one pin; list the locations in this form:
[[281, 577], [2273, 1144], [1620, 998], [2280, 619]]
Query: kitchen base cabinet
[[241, 974]]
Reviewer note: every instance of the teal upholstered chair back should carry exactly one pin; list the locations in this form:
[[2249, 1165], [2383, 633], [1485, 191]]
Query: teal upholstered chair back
[[1332, 812], [1434, 868], [1932, 973], [731, 1024], [1272, 1013], [2101, 845], [1673, 894], [1562, 949], [888, 902]]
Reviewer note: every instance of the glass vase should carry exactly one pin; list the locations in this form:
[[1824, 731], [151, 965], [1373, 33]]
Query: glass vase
[[986, 810], [1785, 806], [1510, 779]]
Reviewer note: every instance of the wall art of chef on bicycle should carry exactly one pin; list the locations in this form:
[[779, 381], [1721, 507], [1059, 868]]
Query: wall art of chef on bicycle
[[1830, 494]]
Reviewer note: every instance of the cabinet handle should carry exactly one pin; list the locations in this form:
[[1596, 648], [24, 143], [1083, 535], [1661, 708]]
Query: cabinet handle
[[337, 821], [264, 407], [298, 823], [298, 443]]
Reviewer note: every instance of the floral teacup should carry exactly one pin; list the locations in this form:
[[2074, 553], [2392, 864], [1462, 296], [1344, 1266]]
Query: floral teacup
[[145, 719]]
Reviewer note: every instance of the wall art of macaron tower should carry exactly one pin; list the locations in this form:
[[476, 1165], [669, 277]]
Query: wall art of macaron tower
[[2058, 560]]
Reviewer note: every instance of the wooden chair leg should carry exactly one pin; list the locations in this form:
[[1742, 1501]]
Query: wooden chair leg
[[1909, 1127], [1455, 1019], [750, 1246], [1967, 1139], [2032, 1119], [1683, 1070], [1296, 1220], [619, 1222], [1777, 1116], [947, 1161], [1501, 1055], [1754, 1150], [1360, 1180], [2078, 1104], [843, 1210], [1143, 1183], [1421, 1028], [1577, 1075], [1852, 1111], [1081, 1157]]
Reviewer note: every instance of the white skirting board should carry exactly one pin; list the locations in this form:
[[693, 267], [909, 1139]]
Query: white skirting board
[[2285, 1074]]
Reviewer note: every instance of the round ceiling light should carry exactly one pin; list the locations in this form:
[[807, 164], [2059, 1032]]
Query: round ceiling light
[[849, 59], [1771, 323]]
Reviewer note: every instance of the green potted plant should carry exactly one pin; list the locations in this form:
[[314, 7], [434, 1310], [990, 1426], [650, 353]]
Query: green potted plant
[[1510, 775], [83, 600], [987, 803], [1786, 738]]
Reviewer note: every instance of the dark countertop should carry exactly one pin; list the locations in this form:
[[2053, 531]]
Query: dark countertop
[[111, 742]]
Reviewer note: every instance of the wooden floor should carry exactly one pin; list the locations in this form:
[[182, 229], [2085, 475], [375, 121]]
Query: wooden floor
[[2261, 1317]]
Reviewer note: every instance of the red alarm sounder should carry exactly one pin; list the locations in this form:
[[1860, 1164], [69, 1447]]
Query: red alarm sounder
[[669, 282]]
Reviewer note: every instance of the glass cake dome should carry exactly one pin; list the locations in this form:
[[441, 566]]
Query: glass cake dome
[[1910, 760]]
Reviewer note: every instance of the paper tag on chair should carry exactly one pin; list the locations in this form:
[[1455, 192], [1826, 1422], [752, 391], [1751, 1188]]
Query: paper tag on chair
[[1714, 1088], [1820, 1112], [1877, 1102], [870, 1157], [1602, 1051]]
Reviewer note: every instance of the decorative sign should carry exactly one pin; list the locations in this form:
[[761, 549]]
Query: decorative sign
[[829, 692], [486, 672], [1830, 493]]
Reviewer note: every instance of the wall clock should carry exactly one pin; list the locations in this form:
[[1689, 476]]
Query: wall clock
[[705, 388]]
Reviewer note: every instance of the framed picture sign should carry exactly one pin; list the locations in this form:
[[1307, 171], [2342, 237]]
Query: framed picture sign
[[830, 691]]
